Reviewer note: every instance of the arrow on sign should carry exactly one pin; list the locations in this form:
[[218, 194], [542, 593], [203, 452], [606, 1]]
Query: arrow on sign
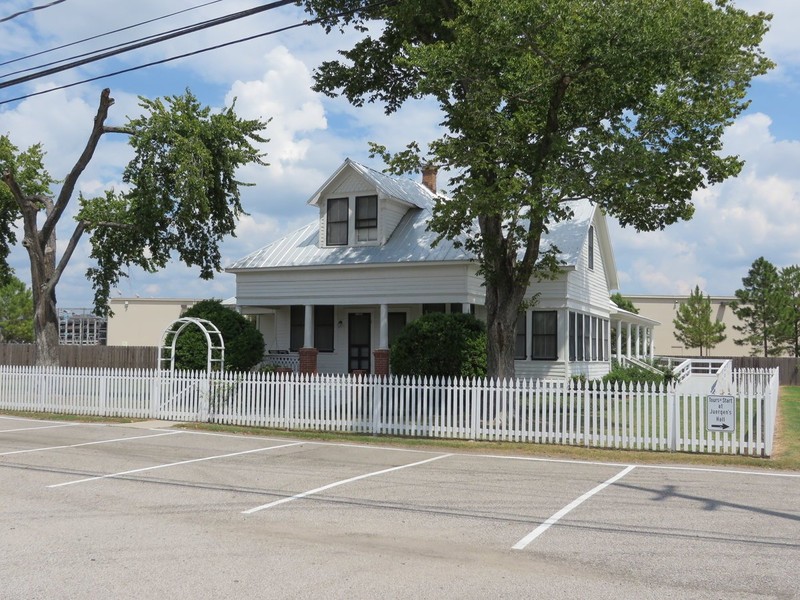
[[723, 426]]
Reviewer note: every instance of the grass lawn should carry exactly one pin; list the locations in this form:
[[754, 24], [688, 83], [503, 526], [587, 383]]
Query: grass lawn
[[786, 452]]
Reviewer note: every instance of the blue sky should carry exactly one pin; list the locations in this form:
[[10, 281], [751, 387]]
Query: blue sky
[[756, 214]]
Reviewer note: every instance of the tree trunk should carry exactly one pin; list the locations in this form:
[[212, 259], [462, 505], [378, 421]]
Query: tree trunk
[[506, 283], [45, 325], [502, 311], [45, 314]]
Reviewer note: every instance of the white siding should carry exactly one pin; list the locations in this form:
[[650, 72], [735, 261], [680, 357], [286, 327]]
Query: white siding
[[267, 327], [349, 183], [590, 370], [552, 293], [323, 223], [389, 215], [390, 284], [539, 369], [282, 328], [587, 290]]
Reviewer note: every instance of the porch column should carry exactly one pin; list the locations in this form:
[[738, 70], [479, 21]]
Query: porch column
[[638, 341], [308, 354], [381, 353], [619, 339], [652, 343], [629, 341], [466, 308]]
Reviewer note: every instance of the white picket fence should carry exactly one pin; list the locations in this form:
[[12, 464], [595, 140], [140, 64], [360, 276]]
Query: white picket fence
[[525, 410]]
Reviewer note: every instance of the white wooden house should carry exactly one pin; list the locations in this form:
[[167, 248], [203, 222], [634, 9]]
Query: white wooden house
[[331, 296]]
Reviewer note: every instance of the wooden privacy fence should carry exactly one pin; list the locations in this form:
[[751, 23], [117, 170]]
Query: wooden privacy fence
[[789, 366], [541, 411], [114, 357]]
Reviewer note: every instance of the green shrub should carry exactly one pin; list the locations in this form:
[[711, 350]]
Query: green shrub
[[244, 344], [441, 345]]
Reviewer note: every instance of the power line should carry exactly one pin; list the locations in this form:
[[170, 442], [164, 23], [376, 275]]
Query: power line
[[124, 47], [201, 51], [99, 35], [147, 42], [33, 8], [162, 61]]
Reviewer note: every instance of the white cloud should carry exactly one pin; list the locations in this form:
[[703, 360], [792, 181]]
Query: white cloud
[[781, 42], [755, 214], [284, 95]]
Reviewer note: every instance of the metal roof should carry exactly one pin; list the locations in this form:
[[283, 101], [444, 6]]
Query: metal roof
[[410, 242]]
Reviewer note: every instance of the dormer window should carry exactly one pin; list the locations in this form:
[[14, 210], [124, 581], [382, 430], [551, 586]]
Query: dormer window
[[366, 218], [336, 234]]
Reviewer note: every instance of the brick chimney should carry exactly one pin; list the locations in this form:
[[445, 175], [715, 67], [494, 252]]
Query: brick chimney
[[429, 177]]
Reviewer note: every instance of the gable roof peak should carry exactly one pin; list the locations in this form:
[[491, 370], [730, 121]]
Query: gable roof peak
[[401, 189]]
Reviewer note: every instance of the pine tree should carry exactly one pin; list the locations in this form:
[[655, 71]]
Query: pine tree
[[790, 282], [763, 308], [694, 326], [623, 303]]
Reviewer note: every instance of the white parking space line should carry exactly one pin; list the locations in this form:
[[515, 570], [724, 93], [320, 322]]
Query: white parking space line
[[125, 439], [7, 418], [315, 442], [568, 461], [338, 483], [789, 475], [35, 428], [520, 545], [174, 464]]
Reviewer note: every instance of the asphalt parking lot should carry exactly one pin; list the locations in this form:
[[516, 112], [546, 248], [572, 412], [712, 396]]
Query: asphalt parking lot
[[139, 511]]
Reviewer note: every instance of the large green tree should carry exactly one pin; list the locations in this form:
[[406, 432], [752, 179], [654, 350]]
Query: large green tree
[[16, 312], [544, 101], [182, 197], [694, 326], [764, 309]]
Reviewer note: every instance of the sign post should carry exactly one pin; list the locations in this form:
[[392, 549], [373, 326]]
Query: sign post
[[720, 413]]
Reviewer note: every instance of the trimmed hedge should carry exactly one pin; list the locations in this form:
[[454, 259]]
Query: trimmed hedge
[[441, 344]]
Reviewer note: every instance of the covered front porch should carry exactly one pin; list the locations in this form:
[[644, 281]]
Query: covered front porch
[[634, 336], [357, 338], [338, 339]]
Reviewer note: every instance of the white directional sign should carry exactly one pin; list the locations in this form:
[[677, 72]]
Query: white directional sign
[[720, 413]]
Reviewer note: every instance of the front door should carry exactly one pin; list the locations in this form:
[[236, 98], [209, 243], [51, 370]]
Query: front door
[[358, 335]]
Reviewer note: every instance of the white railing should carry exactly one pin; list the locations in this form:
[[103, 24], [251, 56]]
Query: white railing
[[724, 381], [525, 410], [682, 371], [630, 360], [280, 358]]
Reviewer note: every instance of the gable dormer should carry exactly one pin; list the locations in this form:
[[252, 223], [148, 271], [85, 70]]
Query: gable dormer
[[361, 207]]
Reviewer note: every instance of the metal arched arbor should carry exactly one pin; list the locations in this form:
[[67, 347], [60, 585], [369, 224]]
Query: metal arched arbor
[[214, 343]]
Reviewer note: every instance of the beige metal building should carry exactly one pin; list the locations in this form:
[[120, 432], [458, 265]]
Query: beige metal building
[[142, 321], [664, 309]]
